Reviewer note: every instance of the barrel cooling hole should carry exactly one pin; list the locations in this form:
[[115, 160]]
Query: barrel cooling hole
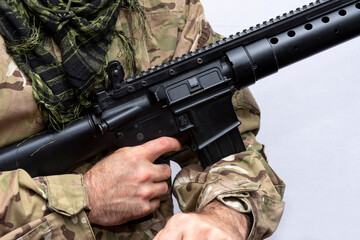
[[325, 19], [309, 26]]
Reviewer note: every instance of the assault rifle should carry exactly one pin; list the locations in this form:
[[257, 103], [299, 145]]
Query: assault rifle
[[188, 97]]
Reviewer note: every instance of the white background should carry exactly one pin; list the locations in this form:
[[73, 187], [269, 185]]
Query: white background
[[310, 126]]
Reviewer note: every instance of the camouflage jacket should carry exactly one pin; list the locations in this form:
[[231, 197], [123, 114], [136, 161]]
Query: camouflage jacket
[[55, 206]]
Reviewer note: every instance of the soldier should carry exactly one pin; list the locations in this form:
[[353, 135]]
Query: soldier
[[53, 54]]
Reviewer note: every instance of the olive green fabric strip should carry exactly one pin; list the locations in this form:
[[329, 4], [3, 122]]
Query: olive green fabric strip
[[83, 31]]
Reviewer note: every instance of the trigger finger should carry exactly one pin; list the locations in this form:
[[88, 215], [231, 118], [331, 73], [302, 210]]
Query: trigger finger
[[159, 146]]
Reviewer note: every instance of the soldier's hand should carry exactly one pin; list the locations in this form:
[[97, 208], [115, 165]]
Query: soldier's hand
[[214, 222], [126, 185]]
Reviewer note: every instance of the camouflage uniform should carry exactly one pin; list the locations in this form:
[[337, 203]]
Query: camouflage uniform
[[56, 206]]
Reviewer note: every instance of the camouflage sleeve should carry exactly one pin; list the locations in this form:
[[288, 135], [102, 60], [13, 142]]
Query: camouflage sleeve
[[43, 208], [39, 208], [244, 182]]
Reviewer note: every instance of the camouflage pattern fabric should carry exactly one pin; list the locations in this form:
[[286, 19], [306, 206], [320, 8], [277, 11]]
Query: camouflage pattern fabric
[[55, 207]]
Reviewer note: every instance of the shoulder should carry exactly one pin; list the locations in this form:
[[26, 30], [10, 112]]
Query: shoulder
[[165, 5]]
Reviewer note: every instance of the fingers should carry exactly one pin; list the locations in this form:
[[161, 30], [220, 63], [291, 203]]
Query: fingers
[[157, 147], [163, 235], [152, 191], [142, 182], [159, 189], [161, 172]]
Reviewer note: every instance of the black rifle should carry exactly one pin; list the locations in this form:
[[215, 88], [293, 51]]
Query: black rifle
[[189, 97]]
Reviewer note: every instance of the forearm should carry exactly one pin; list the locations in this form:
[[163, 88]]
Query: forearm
[[244, 182], [239, 222]]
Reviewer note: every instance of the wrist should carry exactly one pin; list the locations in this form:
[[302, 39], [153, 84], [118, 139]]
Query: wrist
[[230, 218], [90, 196]]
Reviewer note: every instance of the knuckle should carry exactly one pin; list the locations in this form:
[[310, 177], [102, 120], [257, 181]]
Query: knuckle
[[180, 217], [164, 188], [165, 144], [157, 204], [122, 150], [143, 175], [166, 169], [146, 193], [222, 236], [163, 171], [215, 232], [164, 141], [146, 208]]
